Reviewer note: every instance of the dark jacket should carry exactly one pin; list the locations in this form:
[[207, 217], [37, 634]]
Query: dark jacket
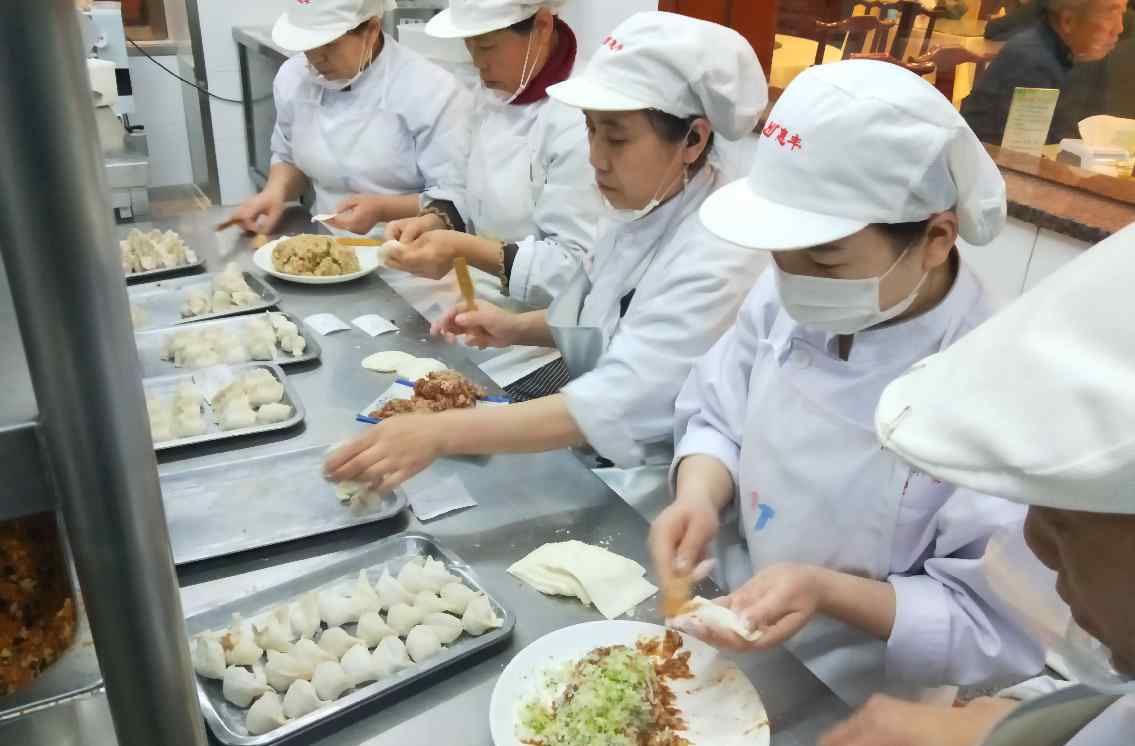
[[1036, 58]]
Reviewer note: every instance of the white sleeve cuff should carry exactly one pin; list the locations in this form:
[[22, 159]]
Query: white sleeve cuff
[[920, 639], [700, 439], [521, 277], [601, 421]]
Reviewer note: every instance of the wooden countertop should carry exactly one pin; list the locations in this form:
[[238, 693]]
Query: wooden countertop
[[1065, 199]]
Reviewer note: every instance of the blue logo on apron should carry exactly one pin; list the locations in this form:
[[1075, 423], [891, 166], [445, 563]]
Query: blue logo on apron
[[767, 513]]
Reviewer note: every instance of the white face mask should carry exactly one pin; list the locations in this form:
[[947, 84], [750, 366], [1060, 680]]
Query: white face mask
[[1026, 590], [621, 215], [340, 85], [839, 306]]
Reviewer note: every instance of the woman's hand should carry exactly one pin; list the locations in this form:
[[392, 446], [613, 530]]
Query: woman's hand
[[680, 536], [260, 213], [387, 454], [430, 256], [488, 326], [885, 721], [779, 601], [409, 230], [360, 213]]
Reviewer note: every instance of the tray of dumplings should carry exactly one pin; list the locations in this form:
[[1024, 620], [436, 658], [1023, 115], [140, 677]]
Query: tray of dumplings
[[155, 305], [218, 403], [274, 336], [287, 659], [303, 503], [156, 253]]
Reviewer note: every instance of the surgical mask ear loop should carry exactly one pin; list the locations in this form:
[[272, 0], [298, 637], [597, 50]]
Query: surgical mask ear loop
[[526, 75]]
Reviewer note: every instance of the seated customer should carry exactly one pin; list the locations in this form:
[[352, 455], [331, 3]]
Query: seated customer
[[1071, 33]]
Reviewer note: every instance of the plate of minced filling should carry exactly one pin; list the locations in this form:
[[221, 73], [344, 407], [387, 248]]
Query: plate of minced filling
[[619, 683], [316, 259]]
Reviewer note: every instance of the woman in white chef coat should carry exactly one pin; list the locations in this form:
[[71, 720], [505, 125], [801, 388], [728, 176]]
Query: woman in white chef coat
[[864, 177], [999, 412], [661, 289], [352, 120], [529, 211]]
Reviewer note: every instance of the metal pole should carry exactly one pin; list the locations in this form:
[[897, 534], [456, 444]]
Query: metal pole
[[62, 262]]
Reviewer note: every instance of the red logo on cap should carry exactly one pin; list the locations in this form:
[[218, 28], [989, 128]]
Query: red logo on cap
[[612, 43], [783, 137], [304, 2]]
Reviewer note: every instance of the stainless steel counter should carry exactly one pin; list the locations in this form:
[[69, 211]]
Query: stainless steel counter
[[525, 501]]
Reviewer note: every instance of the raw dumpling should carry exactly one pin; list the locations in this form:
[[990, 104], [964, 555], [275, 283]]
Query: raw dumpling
[[196, 304], [372, 629], [310, 654], [391, 591], [479, 616], [436, 573], [413, 579], [161, 429], [240, 686], [266, 715], [275, 633], [231, 279], [267, 392], [256, 376], [390, 657], [301, 699], [276, 320], [237, 414], [245, 297], [703, 612], [356, 493], [284, 668], [187, 396], [206, 359], [240, 647], [235, 354], [427, 602], [294, 344], [260, 350], [456, 597], [273, 413], [190, 423], [446, 626], [304, 615], [208, 657], [337, 642], [402, 618], [330, 680], [230, 392], [336, 609], [359, 666], [222, 301], [286, 329], [422, 643], [364, 595]]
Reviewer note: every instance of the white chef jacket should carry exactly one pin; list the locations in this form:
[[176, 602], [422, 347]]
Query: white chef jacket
[[403, 127], [688, 295], [563, 205], [945, 631]]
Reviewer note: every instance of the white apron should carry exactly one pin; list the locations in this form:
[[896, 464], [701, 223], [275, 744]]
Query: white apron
[[805, 439], [645, 488], [501, 178]]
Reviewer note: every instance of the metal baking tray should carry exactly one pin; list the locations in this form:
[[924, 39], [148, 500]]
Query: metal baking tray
[[263, 501], [165, 385], [73, 675], [150, 344], [161, 301], [151, 274], [227, 721]]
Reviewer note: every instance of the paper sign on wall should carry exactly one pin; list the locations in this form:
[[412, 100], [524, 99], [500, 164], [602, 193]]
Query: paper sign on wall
[[1030, 117]]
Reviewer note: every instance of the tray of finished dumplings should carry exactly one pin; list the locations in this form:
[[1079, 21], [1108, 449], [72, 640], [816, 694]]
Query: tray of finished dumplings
[[271, 337], [154, 305], [286, 659], [218, 403]]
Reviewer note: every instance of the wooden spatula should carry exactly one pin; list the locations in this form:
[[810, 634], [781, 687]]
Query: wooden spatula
[[675, 595], [358, 242]]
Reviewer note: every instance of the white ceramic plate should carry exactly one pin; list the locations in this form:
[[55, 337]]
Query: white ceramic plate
[[720, 705], [368, 262]]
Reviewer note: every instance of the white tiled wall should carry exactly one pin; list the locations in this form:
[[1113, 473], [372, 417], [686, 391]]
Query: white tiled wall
[[1053, 251], [1002, 265], [158, 107], [217, 18], [593, 19]]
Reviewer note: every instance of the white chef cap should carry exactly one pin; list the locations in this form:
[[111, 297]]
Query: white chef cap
[[308, 24], [679, 65], [468, 18], [1038, 404], [855, 143]]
